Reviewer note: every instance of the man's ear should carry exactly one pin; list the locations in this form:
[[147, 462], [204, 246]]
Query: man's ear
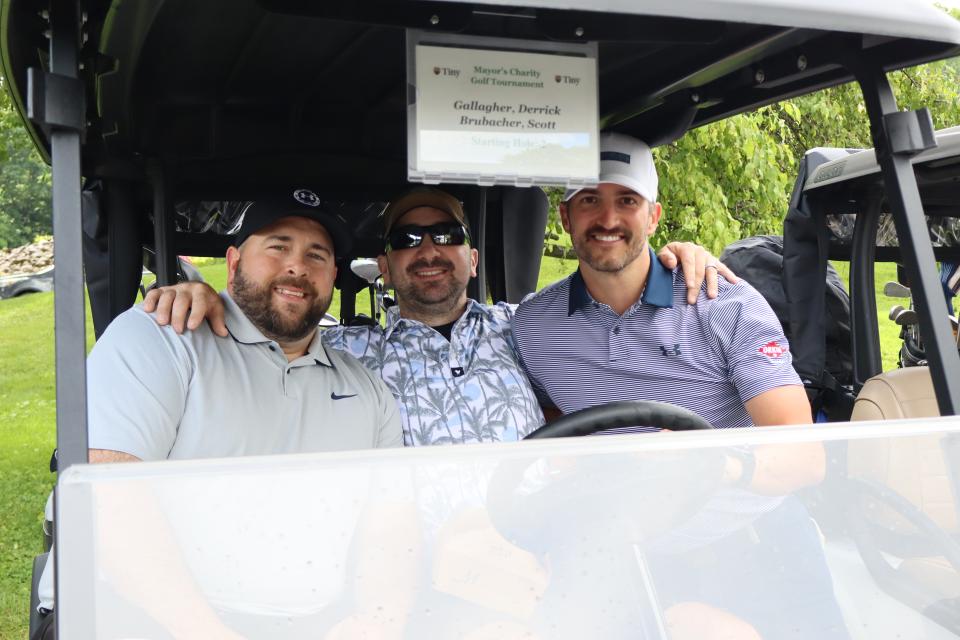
[[564, 217], [655, 212], [384, 269], [474, 261], [233, 259]]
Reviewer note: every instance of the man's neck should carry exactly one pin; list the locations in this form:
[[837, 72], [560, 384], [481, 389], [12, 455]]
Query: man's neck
[[431, 315], [619, 290], [297, 348]]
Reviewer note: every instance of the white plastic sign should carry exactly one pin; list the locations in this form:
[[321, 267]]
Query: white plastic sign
[[486, 116]]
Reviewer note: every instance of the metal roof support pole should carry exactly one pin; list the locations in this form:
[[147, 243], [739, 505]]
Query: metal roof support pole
[[475, 203], [59, 105], [867, 361], [163, 226], [896, 137], [56, 102]]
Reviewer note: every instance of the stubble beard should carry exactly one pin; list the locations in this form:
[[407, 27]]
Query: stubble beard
[[600, 260], [258, 305], [430, 299]]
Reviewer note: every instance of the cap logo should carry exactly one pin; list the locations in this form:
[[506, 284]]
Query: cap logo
[[306, 197], [616, 156]]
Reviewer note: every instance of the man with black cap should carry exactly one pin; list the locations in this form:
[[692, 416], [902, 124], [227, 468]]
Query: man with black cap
[[163, 395], [269, 386]]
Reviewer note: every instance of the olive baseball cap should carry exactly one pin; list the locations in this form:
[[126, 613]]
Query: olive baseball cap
[[423, 197]]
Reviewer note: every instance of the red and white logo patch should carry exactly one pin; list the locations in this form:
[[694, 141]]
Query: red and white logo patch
[[773, 349]]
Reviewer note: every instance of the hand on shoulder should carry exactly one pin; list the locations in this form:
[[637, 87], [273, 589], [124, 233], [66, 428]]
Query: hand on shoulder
[[185, 306]]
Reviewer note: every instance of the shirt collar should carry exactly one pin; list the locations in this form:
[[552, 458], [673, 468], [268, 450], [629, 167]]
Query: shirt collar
[[395, 321], [245, 332], [658, 291]]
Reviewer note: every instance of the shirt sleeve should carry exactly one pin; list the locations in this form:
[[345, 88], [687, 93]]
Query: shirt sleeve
[[517, 329], [390, 431], [362, 343], [137, 373], [752, 340]]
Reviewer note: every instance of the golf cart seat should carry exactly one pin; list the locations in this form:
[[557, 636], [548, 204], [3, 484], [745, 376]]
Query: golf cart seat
[[915, 472], [897, 394], [916, 475]]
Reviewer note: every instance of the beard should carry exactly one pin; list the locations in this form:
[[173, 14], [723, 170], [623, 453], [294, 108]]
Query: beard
[[258, 305], [440, 296], [604, 260]]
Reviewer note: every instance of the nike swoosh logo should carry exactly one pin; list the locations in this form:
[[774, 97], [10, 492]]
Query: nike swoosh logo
[[334, 396]]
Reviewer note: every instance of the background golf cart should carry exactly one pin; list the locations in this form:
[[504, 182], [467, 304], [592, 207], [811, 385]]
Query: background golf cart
[[286, 94], [839, 212], [17, 285]]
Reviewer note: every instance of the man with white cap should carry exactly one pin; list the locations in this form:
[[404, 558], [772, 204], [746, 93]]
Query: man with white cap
[[619, 327]]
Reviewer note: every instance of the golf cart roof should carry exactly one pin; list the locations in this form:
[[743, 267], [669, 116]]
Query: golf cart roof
[[940, 160], [234, 93]]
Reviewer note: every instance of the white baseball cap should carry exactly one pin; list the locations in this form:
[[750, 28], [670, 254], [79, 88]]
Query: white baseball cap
[[627, 162]]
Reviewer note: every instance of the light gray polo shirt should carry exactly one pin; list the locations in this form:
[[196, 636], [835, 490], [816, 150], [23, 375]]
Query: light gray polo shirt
[[158, 395]]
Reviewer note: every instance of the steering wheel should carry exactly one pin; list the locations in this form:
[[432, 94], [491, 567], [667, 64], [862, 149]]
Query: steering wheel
[[626, 413]]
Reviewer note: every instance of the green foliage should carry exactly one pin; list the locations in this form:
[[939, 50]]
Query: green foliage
[[733, 178], [25, 210]]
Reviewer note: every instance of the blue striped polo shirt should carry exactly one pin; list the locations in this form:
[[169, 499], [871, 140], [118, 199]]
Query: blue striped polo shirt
[[710, 357]]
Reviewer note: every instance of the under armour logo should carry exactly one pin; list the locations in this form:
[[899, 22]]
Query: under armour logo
[[670, 351], [307, 197]]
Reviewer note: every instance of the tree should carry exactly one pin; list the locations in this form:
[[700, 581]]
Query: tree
[[733, 178], [25, 208]]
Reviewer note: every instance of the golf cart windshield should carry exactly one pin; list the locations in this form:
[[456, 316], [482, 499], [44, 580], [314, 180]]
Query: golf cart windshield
[[169, 109]]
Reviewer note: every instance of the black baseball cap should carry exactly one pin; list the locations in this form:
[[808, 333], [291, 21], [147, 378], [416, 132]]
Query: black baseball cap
[[302, 203]]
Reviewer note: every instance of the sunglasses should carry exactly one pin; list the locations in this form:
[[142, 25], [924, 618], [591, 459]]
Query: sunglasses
[[443, 234]]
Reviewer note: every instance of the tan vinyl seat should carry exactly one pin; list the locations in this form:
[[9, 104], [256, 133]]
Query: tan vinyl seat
[[914, 468], [897, 394]]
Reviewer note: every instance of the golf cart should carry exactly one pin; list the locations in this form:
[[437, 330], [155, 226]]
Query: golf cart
[[165, 107]]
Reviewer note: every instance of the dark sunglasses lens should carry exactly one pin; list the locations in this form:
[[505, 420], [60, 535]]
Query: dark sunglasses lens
[[405, 238], [442, 234], [447, 234]]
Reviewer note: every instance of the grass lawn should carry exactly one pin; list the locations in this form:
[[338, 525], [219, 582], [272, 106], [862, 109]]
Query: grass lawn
[[27, 417]]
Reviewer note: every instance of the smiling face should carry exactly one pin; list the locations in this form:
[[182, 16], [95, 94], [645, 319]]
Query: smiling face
[[282, 278], [431, 281], [609, 226]]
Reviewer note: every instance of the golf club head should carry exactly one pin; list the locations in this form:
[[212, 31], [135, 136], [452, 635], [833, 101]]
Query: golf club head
[[906, 317], [366, 268], [953, 282], [894, 310], [896, 290]]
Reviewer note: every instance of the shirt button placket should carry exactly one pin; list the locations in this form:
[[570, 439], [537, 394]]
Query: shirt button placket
[[617, 345]]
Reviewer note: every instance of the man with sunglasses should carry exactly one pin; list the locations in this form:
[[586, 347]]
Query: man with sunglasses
[[450, 361]]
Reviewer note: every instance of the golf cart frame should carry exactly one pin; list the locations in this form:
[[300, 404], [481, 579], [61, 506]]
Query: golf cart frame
[[103, 104]]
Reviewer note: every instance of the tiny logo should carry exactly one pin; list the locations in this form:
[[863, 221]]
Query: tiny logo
[[334, 396], [307, 197], [557, 78], [436, 71], [772, 349], [673, 350]]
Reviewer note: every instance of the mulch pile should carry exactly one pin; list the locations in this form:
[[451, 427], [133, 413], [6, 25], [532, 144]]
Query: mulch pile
[[29, 258]]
